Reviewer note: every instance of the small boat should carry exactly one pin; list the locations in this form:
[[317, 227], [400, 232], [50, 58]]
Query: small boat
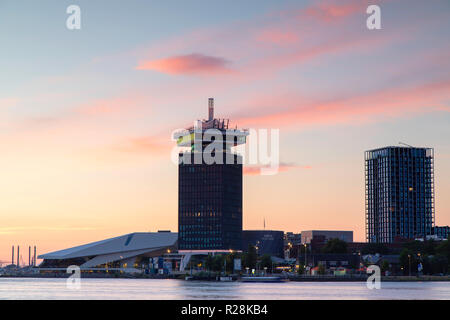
[[263, 279]]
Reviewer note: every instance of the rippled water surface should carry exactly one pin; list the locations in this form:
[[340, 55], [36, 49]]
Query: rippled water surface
[[26, 288]]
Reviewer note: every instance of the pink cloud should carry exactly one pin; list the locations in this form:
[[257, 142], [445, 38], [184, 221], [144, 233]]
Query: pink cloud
[[356, 109], [328, 11], [146, 145], [285, 28], [187, 64], [306, 52], [275, 36]]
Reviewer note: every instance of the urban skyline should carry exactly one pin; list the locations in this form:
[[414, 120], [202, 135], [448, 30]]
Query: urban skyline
[[86, 115]]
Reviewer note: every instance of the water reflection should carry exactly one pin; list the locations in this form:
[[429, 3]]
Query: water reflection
[[21, 288]]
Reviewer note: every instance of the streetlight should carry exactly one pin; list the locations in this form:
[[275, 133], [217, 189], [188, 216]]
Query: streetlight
[[305, 255], [359, 254], [409, 259], [421, 266]]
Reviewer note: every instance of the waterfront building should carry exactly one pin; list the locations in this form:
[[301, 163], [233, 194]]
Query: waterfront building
[[333, 260], [210, 192], [128, 253], [441, 232], [266, 241], [292, 239], [399, 193], [325, 235]]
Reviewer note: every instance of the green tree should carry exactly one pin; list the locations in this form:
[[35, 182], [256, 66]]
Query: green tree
[[443, 248], [408, 261], [428, 247], [439, 264], [301, 269], [414, 246], [266, 262], [442, 255], [217, 263], [209, 262], [335, 246], [321, 269], [384, 266], [230, 261], [250, 257], [373, 248]]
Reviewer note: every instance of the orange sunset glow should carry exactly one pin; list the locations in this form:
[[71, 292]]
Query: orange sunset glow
[[86, 117]]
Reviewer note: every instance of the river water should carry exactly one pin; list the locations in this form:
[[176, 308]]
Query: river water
[[40, 288]]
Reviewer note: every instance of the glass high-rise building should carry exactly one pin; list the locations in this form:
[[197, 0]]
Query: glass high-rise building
[[399, 193], [210, 194]]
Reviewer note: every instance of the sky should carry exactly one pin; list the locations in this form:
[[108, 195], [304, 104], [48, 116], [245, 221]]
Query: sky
[[86, 115]]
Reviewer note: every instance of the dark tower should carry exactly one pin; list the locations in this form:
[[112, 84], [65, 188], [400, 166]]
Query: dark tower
[[210, 192]]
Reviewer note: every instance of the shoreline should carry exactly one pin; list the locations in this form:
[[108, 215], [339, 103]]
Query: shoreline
[[213, 279]]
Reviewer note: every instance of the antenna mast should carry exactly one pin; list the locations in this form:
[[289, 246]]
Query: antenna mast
[[404, 144]]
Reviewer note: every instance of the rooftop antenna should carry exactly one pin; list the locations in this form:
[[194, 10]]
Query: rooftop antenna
[[404, 144], [210, 109]]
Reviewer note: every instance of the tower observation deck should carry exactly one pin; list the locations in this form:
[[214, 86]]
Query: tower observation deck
[[203, 132]]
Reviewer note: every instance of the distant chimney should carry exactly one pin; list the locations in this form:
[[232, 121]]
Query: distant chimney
[[34, 262], [12, 255], [29, 255], [210, 109], [18, 256]]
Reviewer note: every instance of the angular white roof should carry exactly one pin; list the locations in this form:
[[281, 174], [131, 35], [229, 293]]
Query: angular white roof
[[129, 242]]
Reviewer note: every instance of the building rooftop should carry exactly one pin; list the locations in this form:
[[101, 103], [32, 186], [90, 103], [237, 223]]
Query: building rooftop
[[128, 242], [187, 137], [398, 147]]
